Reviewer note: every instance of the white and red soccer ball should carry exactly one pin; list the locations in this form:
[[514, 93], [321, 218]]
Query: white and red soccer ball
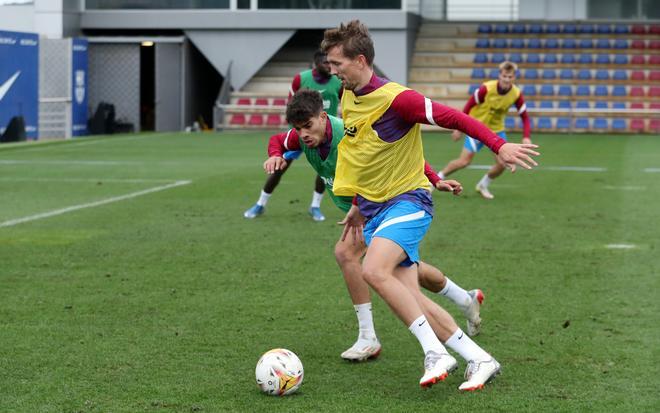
[[279, 372]]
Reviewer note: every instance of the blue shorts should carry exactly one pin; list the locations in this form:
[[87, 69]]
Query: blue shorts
[[473, 145], [291, 155], [405, 223]]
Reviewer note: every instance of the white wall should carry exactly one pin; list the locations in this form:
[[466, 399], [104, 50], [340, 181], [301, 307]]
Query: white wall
[[557, 10], [17, 18]]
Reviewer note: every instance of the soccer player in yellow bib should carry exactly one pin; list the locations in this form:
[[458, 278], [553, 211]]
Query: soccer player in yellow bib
[[490, 104], [380, 163]]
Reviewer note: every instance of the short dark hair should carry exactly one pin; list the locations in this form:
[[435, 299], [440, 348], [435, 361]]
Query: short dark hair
[[353, 37], [304, 105], [319, 57]]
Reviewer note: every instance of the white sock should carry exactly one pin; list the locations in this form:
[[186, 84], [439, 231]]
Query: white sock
[[456, 294], [263, 198], [485, 181], [365, 321], [441, 175], [316, 200], [468, 349], [427, 338]]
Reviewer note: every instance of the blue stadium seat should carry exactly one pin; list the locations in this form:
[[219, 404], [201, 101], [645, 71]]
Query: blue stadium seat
[[529, 90], [547, 90], [567, 58], [603, 44], [472, 89], [509, 122], [534, 43], [582, 104], [531, 105], [519, 28], [483, 43], [533, 58], [545, 123], [566, 74], [531, 74], [485, 28], [481, 58], [585, 59], [619, 90], [563, 123], [535, 28], [620, 75], [586, 28], [604, 29], [619, 124], [501, 43], [621, 59], [601, 105], [546, 104], [600, 123], [582, 123], [550, 58], [494, 73], [497, 58], [584, 74], [517, 43], [601, 90], [552, 44], [565, 90], [621, 29], [552, 28], [549, 74], [621, 44], [515, 57], [564, 104], [478, 73], [618, 105], [583, 90], [569, 44], [518, 73], [586, 44], [603, 59], [501, 28], [569, 28], [602, 74]]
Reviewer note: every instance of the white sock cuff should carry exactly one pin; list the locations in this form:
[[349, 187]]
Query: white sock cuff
[[316, 199]]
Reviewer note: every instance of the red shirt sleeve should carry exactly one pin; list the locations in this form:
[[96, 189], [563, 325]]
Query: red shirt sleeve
[[283, 142], [522, 111], [477, 98], [295, 85], [413, 107], [431, 174]]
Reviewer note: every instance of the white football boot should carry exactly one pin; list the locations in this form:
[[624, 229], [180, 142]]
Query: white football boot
[[437, 367], [363, 349], [478, 373], [485, 193], [471, 312]]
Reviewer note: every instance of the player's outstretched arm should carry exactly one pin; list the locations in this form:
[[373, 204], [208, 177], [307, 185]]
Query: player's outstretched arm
[[449, 185], [512, 154]]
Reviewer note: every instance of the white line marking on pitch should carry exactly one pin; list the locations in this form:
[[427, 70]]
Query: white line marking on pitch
[[91, 204], [621, 246], [554, 168], [651, 170], [625, 188]]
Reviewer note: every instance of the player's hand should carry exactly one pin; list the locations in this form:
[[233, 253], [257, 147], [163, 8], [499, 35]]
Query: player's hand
[[449, 185], [456, 135], [512, 154], [274, 163], [526, 140], [353, 223]]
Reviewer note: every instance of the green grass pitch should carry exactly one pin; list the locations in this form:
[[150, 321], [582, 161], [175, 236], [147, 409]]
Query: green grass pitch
[[121, 292]]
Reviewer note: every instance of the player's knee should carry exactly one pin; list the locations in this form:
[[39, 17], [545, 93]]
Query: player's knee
[[373, 276], [343, 253], [464, 162]]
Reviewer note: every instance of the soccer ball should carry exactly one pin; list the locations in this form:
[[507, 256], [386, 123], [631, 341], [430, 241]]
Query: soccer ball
[[279, 372]]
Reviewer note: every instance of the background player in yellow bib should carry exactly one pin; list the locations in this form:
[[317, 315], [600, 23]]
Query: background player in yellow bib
[[380, 162], [490, 104]]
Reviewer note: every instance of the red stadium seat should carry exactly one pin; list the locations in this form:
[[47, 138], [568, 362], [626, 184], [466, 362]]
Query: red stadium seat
[[638, 29], [636, 91], [654, 76], [256, 120], [654, 44], [273, 120], [637, 105], [638, 44], [244, 101], [237, 119], [655, 105], [638, 59], [637, 75], [637, 124], [655, 125], [261, 102], [654, 91], [654, 59], [279, 102], [655, 29]]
